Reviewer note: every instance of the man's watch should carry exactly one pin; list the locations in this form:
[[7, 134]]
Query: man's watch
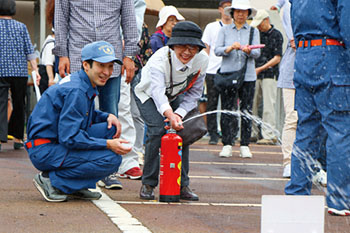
[[131, 57]]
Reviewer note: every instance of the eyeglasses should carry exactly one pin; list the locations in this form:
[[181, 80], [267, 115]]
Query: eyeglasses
[[191, 48]]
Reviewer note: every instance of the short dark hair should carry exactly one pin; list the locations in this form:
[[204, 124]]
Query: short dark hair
[[7, 7], [223, 1], [232, 10], [90, 62]]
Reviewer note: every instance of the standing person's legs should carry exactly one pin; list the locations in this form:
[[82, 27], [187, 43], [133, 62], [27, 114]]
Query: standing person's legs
[[258, 98], [186, 193], [306, 146], [139, 127], [3, 109], [18, 93], [245, 94], [130, 166], [269, 91], [155, 131], [108, 102], [289, 128], [246, 101], [228, 122], [109, 96], [213, 97]]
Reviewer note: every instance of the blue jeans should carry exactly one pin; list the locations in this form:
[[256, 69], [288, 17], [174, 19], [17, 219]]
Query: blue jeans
[[109, 96]]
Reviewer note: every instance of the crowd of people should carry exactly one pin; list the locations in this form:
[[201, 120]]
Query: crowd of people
[[142, 81]]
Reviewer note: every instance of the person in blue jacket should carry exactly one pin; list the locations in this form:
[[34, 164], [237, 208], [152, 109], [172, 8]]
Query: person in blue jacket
[[322, 84], [71, 143]]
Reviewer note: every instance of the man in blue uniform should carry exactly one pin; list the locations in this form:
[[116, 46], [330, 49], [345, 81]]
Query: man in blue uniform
[[322, 83], [73, 144]]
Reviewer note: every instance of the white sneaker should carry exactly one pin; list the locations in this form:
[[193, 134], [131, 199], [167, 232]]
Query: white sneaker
[[245, 152], [286, 171], [226, 151], [320, 178]]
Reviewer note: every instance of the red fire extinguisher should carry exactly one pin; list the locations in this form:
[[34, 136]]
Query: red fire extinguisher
[[170, 167]]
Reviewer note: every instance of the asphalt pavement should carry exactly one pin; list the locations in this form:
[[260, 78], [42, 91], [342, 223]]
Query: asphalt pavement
[[229, 190]]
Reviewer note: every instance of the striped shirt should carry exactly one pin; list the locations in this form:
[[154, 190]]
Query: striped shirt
[[15, 49], [80, 22]]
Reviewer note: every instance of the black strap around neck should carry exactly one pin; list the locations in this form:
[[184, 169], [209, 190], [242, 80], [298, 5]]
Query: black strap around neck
[[251, 34], [171, 73]]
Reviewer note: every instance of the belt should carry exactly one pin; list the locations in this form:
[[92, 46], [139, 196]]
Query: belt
[[319, 42], [37, 142]]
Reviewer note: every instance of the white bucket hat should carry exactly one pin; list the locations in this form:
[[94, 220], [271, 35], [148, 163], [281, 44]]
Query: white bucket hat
[[240, 5], [166, 12], [260, 16]]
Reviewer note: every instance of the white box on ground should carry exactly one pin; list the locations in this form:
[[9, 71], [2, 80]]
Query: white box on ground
[[291, 214]]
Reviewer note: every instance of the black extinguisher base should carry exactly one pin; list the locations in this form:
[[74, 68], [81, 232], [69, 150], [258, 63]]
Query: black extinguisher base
[[169, 198]]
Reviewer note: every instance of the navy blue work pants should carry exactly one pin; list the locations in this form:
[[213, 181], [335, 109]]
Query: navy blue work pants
[[322, 100], [73, 170]]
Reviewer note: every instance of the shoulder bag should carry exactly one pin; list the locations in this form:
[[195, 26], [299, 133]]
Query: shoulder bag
[[235, 79]]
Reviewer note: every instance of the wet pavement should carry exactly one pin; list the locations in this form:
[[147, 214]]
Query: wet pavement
[[229, 191]]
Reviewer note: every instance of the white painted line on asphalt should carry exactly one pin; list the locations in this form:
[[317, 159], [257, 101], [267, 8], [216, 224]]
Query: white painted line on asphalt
[[237, 151], [187, 203], [118, 215], [239, 178], [239, 164]]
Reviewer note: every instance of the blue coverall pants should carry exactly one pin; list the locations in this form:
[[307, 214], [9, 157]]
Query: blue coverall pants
[[322, 100], [72, 170]]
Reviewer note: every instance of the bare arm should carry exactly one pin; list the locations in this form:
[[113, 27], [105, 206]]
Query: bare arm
[[35, 68], [50, 74], [207, 48], [271, 63]]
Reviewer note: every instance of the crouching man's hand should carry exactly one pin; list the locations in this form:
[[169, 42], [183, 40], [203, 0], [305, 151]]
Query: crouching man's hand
[[113, 120], [116, 145]]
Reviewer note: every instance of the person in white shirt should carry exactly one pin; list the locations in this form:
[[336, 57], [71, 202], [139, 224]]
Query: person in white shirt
[[210, 35], [46, 63], [184, 62]]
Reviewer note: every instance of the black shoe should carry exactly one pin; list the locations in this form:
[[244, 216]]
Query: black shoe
[[147, 192], [187, 194], [17, 145], [213, 140], [253, 139]]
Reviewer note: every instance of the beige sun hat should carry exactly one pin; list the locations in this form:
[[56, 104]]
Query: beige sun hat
[[166, 12], [240, 5], [259, 17]]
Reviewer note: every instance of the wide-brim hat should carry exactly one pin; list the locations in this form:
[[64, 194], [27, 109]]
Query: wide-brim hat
[[166, 12], [186, 32], [259, 17], [100, 51], [241, 5]]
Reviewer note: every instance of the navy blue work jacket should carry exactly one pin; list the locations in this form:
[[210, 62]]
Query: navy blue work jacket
[[65, 112]]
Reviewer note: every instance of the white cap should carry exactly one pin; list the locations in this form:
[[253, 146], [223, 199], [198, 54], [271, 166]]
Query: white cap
[[240, 5], [166, 12], [260, 16]]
